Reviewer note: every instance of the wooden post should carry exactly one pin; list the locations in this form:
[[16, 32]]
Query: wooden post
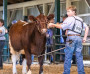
[[45, 9], [25, 17], [68, 3]]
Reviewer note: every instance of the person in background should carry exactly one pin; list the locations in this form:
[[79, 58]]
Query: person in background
[[2, 41], [14, 21], [62, 56], [49, 42], [75, 25]]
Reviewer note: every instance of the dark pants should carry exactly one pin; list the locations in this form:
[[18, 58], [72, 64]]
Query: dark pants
[[2, 43], [62, 56], [49, 49]]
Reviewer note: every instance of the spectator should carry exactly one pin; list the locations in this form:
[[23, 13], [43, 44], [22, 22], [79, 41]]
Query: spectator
[[50, 41], [2, 41]]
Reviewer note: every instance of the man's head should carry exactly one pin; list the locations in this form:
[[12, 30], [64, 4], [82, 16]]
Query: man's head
[[71, 11], [1, 22]]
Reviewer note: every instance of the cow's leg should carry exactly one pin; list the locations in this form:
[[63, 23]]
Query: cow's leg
[[28, 58], [24, 70], [14, 64], [14, 57], [40, 59]]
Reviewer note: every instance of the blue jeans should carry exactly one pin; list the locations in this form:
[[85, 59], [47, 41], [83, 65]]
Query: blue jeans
[[2, 43], [76, 46]]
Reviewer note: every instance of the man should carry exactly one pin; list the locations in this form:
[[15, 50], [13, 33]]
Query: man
[[74, 24], [62, 56], [2, 41], [49, 42], [65, 33]]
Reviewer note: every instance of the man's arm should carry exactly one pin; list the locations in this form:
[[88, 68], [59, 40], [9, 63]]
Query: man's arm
[[86, 33], [55, 25], [58, 26]]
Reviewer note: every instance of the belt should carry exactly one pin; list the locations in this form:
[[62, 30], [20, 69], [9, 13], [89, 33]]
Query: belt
[[74, 35]]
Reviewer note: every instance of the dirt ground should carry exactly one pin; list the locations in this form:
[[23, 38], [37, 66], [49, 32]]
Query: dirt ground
[[48, 69]]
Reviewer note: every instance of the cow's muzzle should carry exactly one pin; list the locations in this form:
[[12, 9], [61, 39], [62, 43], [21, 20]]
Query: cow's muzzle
[[44, 31]]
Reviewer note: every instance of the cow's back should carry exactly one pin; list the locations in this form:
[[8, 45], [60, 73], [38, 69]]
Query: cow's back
[[20, 33], [15, 35]]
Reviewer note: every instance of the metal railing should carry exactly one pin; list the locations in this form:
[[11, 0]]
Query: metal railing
[[6, 51]]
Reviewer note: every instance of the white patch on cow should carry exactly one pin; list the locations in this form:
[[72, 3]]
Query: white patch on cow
[[29, 72], [22, 21], [14, 64], [44, 30], [15, 57], [22, 51], [24, 70], [11, 48], [25, 24]]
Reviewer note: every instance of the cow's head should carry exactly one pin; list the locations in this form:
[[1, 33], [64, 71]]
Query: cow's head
[[42, 21]]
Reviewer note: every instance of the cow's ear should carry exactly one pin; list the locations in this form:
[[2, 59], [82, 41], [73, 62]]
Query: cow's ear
[[50, 17], [32, 18]]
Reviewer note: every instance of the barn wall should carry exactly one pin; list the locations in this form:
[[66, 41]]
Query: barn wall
[[19, 15], [82, 8], [33, 11], [1, 13]]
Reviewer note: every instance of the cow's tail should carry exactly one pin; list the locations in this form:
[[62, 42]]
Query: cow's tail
[[12, 51]]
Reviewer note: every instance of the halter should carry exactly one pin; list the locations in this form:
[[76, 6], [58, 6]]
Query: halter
[[38, 26], [38, 29]]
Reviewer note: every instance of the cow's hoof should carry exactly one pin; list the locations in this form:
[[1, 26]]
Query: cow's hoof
[[29, 72]]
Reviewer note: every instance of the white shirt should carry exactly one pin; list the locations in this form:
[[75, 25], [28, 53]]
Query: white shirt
[[69, 22], [2, 37]]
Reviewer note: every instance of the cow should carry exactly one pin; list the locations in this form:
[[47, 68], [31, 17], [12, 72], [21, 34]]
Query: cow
[[30, 37]]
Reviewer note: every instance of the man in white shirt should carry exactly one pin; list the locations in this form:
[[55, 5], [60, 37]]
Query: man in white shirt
[[74, 24]]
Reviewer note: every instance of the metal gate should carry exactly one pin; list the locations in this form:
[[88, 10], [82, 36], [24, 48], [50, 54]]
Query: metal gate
[[6, 53]]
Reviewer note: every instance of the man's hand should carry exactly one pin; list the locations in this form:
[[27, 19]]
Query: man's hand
[[47, 35], [84, 40], [51, 25], [86, 33]]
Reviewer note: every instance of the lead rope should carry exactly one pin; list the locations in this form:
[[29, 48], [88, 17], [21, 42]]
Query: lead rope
[[58, 49], [52, 51]]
